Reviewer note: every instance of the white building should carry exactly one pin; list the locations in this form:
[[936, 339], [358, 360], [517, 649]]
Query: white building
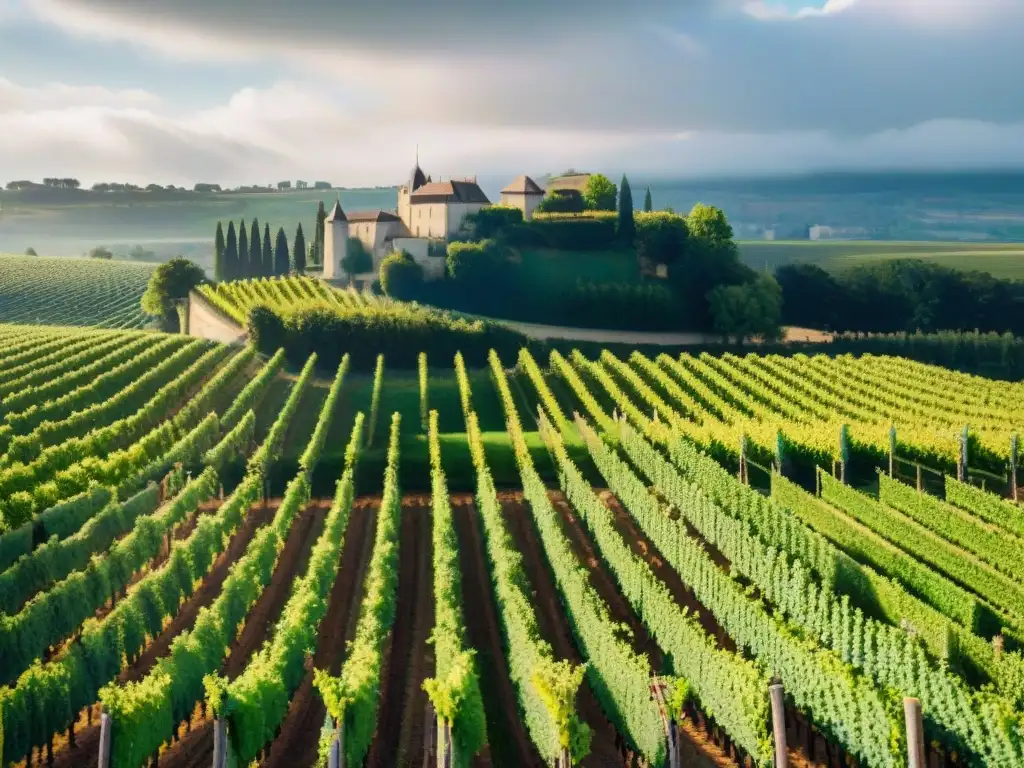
[[427, 210], [523, 193]]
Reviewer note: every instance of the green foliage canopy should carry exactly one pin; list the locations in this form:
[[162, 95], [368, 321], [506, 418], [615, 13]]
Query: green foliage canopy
[[400, 276]]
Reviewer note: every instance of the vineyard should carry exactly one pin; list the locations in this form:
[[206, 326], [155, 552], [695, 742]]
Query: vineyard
[[209, 557], [66, 291], [236, 298]]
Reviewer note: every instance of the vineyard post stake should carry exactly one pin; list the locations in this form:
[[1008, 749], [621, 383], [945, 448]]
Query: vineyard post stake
[[220, 742], [915, 733], [334, 756], [892, 448], [743, 458], [673, 744], [961, 464], [779, 724], [104, 760], [844, 451], [1013, 468]]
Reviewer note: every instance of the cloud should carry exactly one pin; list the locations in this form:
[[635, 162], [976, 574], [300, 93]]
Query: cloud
[[842, 66], [15, 98], [295, 130]]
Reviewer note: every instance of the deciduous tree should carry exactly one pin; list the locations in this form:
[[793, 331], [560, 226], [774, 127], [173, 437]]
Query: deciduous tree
[[599, 193], [169, 287], [746, 310]]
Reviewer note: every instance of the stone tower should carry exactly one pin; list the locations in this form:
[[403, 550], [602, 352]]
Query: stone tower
[[335, 242]]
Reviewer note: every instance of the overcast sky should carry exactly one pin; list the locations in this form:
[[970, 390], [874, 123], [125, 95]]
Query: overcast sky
[[252, 91]]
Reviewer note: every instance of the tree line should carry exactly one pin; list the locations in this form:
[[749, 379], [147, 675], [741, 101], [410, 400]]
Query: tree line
[[245, 252], [900, 295], [118, 186]]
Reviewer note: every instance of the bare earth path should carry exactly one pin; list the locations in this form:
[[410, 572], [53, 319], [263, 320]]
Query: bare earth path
[[298, 743], [510, 744]]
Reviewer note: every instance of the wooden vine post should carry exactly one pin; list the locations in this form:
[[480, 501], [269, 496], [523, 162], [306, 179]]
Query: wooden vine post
[[778, 701], [844, 451], [220, 742], [1013, 468], [915, 733], [335, 757], [780, 453], [743, 459], [961, 463], [668, 721], [105, 726], [892, 449]]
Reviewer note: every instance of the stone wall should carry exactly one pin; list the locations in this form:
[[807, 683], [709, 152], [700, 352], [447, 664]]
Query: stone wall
[[207, 322]]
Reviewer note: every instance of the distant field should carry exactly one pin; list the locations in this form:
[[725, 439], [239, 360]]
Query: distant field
[[1000, 259], [70, 291], [66, 222]]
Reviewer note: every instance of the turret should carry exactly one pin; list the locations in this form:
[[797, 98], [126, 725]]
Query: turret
[[335, 241]]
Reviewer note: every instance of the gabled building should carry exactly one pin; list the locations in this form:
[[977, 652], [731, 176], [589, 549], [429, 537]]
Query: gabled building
[[523, 193]]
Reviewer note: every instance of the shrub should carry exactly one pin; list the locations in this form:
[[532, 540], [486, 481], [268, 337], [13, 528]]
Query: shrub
[[492, 221], [476, 263], [660, 237], [400, 276], [265, 329], [398, 331], [563, 201]]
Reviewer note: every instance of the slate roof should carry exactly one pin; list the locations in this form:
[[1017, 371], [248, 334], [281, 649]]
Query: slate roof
[[418, 179], [336, 212]]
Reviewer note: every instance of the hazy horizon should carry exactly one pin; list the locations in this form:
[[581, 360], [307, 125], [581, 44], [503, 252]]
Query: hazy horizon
[[146, 91]]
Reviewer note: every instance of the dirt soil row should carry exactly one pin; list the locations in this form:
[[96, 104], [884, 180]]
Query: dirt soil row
[[402, 723], [696, 748], [510, 745], [297, 745], [85, 752], [195, 748]]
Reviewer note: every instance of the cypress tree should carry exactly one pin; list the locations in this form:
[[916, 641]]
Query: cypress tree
[[255, 251], [268, 252], [311, 261], [299, 251], [281, 253], [627, 224], [243, 252], [321, 217], [231, 254], [648, 205], [218, 254]]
